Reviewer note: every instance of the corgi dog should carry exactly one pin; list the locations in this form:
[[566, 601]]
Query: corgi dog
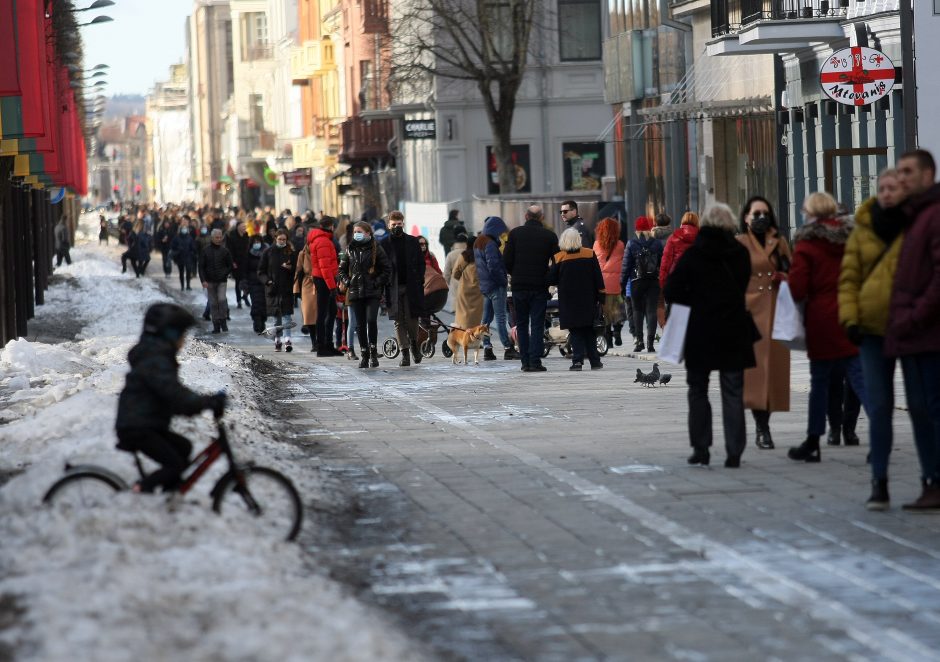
[[468, 339]]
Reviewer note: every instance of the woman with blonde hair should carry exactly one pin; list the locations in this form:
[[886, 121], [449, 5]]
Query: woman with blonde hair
[[814, 278], [608, 248]]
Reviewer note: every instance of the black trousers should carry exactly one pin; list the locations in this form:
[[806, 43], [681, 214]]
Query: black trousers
[[168, 449], [584, 341], [62, 254], [186, 273], [732, 410], [645, 295], [326, 313], [167, 262], [367, 322], [844, 405]]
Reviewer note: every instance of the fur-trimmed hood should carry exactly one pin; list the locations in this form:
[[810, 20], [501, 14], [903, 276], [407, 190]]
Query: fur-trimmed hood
[[833, 230]]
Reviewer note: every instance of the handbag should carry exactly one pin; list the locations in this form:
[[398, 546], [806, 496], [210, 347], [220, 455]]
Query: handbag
[[788, 320], [672, 343]]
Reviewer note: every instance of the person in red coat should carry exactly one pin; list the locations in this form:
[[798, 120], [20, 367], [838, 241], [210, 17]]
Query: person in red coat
[[677, 244], [325, 265], [814, 279]]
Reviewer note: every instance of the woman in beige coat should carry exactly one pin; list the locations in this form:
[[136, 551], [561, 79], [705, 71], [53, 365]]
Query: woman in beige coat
[[303, 285], [767, 385], [468, 306]]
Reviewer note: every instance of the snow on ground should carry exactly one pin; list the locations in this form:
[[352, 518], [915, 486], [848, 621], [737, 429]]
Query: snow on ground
[[135, 578]]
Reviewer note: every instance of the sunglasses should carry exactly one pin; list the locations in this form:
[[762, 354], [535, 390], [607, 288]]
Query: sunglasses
[[565, 211]]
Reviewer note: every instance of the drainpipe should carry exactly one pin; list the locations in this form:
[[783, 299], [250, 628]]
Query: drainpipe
[[909, 89]]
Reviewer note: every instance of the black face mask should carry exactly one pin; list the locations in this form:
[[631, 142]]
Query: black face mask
[[760, 224], [398, 231]]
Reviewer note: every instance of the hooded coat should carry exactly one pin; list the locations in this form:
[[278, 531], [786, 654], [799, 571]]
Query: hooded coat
[[678, 243], [814, 278], [914, 323], [491, 270], [766, 385], [867, 274], [711, 278]]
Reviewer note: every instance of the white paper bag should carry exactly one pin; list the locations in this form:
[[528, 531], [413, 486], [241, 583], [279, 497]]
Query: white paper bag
[[788, 320], [672, 344]]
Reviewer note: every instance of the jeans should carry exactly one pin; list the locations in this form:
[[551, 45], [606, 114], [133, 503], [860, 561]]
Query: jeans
[[879, 388], [530, 324], [167, 262], [352, 323], [494, 306], [645, 294], [285, 320], [584, 341], [732, 410], [366, 314], [821, 371], [922, 385], [218, 303], [844, 405], [326, 314]]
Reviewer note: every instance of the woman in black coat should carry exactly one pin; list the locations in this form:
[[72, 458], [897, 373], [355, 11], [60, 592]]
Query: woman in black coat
[[711, 278], [254, 283], [577, 273], [364, 271], [277, 268]]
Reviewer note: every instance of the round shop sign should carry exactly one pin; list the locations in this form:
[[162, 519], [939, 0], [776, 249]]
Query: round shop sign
[[857, 76]]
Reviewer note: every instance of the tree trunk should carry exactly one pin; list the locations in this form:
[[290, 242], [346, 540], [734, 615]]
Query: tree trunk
[[500, 118]]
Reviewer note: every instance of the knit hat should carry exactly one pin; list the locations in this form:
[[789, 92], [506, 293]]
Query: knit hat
[[643, 224]]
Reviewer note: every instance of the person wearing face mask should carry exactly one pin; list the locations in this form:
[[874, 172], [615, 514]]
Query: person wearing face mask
[[254, 284], [183, 248], [324, 268], [364, 271], [405, 297], [766, 385], [278, 270]]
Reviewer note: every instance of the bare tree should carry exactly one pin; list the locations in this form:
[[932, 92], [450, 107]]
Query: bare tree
[[484, 42]]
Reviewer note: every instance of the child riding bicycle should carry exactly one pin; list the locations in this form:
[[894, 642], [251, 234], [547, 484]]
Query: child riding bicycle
[[153, 394]]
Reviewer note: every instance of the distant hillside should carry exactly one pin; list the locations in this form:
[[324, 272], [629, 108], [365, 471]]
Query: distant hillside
[[122, 105]]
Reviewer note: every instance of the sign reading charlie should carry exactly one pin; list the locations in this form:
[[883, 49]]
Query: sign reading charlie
[[857, 76]]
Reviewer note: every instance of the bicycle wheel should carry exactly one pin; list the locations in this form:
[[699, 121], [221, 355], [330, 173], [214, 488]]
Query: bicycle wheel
[[428, 348], [265, 494], [83, 489], [446, 350], [390, 348]]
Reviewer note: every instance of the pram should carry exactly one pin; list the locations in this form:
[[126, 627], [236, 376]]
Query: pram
[[428, 326], [555, 336]]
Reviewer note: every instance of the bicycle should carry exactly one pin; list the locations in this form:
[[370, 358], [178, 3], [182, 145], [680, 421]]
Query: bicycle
[[263, 492]]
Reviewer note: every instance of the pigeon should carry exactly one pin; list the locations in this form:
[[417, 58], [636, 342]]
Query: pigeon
[[664, 378], [655, 373], [647, 379]]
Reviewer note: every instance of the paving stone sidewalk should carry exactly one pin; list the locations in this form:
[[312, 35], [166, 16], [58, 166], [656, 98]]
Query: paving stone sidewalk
[[504, 515]]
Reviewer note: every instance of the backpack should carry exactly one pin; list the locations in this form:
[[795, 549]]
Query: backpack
[[647, 263]]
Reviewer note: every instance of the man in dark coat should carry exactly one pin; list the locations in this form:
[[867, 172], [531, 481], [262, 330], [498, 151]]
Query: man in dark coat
[[215, 266], [163, 240], [529, 250], [237, 242], [405, 297], [572, 219], [711, 278], [452, 227]]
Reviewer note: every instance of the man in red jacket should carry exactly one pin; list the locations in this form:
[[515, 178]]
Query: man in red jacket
[[914, 324], [325, 266]]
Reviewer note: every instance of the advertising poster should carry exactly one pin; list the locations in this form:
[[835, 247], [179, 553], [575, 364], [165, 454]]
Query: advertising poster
[[520, 157], [583, 166]]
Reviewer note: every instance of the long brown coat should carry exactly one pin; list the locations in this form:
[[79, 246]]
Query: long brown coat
[[767, 385], [303, 283], [468, 306]]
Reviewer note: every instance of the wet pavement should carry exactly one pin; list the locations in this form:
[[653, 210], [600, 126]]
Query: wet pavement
[[503, 515]]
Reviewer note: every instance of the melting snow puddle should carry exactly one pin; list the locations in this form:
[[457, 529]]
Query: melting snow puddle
[[636, 469]]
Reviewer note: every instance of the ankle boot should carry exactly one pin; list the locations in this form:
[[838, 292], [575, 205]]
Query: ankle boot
[[834, 438], [700, 456], [216, 327], [928, 501], [405, 358], [373, 357], [879, 499], [618, 338], [808, 451], [763, 440], [364, 361]]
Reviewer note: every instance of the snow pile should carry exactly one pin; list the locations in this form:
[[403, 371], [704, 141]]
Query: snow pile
[[135, 578]]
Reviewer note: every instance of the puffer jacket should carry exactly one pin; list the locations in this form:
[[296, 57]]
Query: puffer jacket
[[323, 254], [152, 392], [864, 286], [610, 266], [631, 255], [814, 278], [491, 271], [215, 264], [356, 271], [677, 244]]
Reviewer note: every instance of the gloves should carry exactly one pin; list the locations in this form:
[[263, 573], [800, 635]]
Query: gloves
[[854, 333], [217, 403]]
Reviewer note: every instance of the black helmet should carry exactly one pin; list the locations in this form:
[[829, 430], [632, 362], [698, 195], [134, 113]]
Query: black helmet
[[167, 320]]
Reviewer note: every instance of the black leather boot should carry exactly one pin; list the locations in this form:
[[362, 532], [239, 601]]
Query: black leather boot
[[373, 357], [879, 499], [808, 451], [700, 456], [405, 358], [364, 361], [764, 440], [834, 438]]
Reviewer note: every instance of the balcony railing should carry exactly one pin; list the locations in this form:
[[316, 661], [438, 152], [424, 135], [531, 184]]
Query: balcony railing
[[364, 140], [730, 16], [374, 16]]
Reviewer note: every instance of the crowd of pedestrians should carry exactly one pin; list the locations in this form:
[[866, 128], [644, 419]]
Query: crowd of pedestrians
[[862, 314]]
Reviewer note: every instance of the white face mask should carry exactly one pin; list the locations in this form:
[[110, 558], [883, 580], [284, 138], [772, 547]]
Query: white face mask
[[281, 243], [359, 236]]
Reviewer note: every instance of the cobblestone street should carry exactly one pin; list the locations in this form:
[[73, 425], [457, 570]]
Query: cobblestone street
[[504, 515]]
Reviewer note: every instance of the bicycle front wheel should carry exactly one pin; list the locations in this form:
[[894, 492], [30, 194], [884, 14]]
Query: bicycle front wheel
[[266, 495], [83, 489]]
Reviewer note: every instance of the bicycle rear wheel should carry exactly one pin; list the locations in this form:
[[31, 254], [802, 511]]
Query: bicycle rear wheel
[[265, 494], [83, 489]]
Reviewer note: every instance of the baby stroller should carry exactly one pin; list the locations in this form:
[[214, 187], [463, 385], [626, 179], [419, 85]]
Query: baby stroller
[[555, 336], [429, 324]]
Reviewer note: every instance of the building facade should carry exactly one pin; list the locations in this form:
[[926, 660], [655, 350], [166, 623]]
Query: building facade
[[170, 159]]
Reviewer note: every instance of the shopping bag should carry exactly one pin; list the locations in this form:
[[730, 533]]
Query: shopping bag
[[788, 320], [672, 344]]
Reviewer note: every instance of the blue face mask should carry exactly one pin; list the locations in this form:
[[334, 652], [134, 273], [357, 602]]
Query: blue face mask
[[256, 248], [204, 231], [184, 230], [359, 236]]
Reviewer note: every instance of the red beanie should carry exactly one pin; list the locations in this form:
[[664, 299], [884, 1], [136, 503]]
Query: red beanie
[[643, 224]]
